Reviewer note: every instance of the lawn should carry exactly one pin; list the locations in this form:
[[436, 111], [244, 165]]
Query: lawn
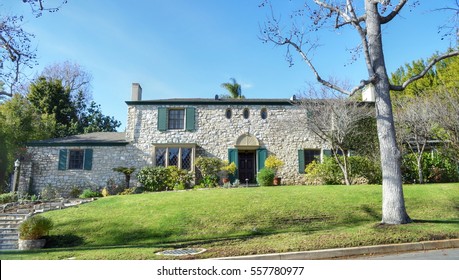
[[243, 221]]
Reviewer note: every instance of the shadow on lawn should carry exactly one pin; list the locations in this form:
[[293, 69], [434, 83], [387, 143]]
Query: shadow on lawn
[[436, 221]]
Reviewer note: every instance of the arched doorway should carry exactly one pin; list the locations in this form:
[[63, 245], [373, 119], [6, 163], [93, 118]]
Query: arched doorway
[[248, 156]]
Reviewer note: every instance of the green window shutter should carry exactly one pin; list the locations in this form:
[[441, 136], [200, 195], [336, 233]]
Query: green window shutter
[[232, 157], [262, 154], [162, 119], [87, 159], [301, 163], [190, 119], [62, 160]]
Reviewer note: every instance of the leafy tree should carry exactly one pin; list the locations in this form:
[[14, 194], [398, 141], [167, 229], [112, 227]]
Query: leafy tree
[[234, 89], [68, 104], [49, 97], [368, 24], [20, 122]]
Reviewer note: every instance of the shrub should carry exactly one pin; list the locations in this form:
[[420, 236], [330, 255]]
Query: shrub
[[75, 192], [272, 162], [8, 197], [436, 168], [35, 228], [113, 188], [49, 193], [127, 171], [265, 177], [88, 193], [128, 191], [209, 168], [163, 179], [361, 171]]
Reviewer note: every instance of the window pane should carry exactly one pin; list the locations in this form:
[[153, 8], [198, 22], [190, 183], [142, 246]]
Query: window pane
[[161, 157], [228, 113], [186, 158], [264, 113], [176, 119], [246, 113], [76, 159], [173, 156], [310, 156]]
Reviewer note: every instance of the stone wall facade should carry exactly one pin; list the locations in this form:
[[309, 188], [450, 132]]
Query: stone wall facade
[[282, 133], [43, 168]]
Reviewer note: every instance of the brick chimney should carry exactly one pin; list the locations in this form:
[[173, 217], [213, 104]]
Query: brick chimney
[[136, 92]]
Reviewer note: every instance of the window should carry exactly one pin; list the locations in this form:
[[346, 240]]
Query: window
[[246, 113], [305, 157], [176, 119], [76, 159], [310, 156], [264, 113], [174, 155], [228, 113]]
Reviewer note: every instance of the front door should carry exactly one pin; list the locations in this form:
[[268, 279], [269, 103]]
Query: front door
[[246, 166]]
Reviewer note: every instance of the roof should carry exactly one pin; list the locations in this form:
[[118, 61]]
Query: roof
[[212, 101], [89, 139]]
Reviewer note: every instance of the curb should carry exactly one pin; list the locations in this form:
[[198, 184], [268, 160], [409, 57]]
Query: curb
[[353, 251]]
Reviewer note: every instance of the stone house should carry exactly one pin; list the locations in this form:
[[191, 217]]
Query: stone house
[[168, 132]]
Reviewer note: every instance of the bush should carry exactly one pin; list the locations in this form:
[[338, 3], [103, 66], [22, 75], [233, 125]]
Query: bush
[[49, 193], [209, 168], [35, 228], [361, 171], [114, 188], [8, 197], [436, 168], [163, 179], [88, 193], [272, 162], [75, 192], [265, 177]]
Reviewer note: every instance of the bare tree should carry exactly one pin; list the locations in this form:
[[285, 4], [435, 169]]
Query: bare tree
[[416, 125], [446, 112], [368, 24], [334, 119], [16, 51]]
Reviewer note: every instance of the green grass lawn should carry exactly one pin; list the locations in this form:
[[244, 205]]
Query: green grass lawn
[[243, 221]]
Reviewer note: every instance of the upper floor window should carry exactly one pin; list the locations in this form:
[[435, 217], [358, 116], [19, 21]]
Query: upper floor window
[[246, 113], [264, 113], [176, 119], [228, 113]]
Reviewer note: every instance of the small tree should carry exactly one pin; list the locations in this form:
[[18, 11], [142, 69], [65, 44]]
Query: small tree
[[336, 121], [209, 168], [127, 171], [274, 163]]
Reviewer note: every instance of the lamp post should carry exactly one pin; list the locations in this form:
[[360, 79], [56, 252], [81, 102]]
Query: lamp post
[[17, 164]]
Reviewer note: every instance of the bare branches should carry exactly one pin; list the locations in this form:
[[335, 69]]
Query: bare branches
[[394, 13], [424, 71]]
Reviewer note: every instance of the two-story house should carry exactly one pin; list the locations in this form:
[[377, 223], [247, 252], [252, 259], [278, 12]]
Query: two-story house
[[166, 132]]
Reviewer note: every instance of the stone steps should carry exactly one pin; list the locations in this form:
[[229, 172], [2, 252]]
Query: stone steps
[[9, 230]]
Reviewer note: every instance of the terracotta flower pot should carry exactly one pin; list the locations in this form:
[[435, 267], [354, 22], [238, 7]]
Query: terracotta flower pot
[[277, 181]]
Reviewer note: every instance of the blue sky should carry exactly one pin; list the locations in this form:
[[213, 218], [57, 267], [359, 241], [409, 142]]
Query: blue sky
[[187, 48]]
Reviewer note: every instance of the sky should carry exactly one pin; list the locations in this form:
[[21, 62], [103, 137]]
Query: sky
[[188, 48]]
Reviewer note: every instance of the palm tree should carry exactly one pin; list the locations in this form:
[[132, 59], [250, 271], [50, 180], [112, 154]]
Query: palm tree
[[233, 88]]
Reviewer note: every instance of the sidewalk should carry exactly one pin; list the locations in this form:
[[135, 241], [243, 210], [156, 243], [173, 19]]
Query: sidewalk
[[353, 251]]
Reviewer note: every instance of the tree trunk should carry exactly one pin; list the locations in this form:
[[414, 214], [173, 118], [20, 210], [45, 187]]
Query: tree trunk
[[393, 205], [419, 163]]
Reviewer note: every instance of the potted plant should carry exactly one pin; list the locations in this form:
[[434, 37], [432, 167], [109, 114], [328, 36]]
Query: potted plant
[[32, 231], [274, 163], [227, 169]]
